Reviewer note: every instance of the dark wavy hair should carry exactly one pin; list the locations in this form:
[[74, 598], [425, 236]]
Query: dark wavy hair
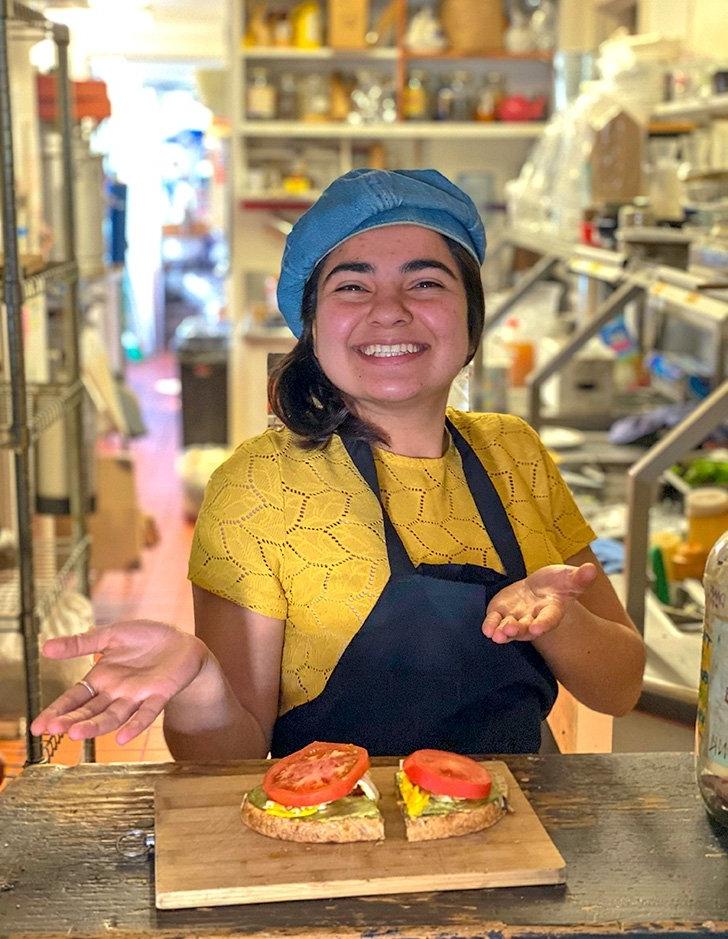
[[310, 405]]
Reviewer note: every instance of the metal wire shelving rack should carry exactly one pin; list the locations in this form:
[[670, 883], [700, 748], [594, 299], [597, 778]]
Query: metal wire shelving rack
[[45, 565]]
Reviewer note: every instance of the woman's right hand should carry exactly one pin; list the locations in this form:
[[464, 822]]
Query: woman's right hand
[[141, 666]]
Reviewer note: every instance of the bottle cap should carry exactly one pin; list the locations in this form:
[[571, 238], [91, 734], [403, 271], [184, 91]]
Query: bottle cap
[[706, 501]]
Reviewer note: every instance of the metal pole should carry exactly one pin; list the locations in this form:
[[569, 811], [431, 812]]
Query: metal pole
[[642, 477], [607, 311], [77, 454], [540, 271], [13, 297]]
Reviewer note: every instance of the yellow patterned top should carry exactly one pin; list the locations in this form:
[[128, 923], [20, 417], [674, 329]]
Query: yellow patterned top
[[297, 534]]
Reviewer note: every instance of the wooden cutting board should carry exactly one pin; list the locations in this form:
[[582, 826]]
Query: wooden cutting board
[[205, 856]]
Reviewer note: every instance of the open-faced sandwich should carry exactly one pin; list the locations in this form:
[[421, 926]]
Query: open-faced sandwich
[[444, 794], [320, 793]]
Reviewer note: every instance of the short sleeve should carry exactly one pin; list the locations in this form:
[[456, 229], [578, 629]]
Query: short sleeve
[[236, 548], [568, 528]]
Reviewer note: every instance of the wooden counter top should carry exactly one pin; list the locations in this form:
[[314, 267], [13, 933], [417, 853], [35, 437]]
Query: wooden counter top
[[642, 859]]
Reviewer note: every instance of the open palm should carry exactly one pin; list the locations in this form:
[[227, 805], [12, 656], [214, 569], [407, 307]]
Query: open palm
[[535, 605], [141, 665]]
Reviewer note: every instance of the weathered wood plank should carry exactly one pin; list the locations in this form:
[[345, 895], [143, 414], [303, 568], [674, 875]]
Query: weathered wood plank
[[642, 858]]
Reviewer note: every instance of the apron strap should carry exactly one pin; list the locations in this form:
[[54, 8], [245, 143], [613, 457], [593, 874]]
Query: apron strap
[[363, 459], [490, 507]]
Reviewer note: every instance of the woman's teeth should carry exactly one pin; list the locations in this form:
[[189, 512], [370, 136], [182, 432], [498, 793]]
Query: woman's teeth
[[401, 348]]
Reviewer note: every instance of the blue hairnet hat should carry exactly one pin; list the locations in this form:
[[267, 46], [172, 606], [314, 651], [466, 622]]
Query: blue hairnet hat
[[364, 199]]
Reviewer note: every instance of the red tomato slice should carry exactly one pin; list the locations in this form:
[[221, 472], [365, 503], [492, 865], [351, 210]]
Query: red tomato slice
[[320, 772], [448, 774]]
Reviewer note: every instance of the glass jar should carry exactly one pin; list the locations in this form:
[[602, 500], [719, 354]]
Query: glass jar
[[288, 97], [712, 723], [260, 99], [462, 103], [314, 101], [415, 104], [444, 101], [489, 97]]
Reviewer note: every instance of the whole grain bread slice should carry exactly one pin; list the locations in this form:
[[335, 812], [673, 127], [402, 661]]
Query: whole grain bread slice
[[313, 831], [430, 827]]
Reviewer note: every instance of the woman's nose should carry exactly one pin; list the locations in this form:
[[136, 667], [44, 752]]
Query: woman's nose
[[389, 310]]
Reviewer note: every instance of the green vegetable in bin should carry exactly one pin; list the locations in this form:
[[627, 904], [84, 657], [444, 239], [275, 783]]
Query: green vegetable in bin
[[702, 472]]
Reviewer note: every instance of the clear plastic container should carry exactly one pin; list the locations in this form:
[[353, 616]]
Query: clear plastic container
[[712, 722]]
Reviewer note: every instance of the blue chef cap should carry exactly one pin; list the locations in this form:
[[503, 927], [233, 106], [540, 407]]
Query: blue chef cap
[[364, 199]]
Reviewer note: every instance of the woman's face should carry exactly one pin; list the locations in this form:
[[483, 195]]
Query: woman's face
[[391, 318]]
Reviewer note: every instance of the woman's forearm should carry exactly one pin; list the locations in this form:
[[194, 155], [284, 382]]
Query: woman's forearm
[[206, 723], [599, 661]]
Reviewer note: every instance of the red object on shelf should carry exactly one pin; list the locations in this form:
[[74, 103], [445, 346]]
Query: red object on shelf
[[520, 108], [89, 99]]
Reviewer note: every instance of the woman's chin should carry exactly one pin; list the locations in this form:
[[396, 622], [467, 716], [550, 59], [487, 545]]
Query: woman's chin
[[396, 397]]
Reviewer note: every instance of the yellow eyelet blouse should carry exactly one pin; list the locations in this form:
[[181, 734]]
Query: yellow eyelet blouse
[[297, 534]]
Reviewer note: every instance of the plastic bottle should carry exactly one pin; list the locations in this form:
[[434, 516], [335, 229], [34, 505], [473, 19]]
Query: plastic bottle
[[712, 722], [307, 25], [707, 511], [523, 353]]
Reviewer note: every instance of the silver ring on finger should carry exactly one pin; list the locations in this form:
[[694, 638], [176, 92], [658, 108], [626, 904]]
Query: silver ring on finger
[[88, 686]]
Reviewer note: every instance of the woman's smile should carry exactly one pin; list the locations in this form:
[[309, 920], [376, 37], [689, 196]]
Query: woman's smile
[[401, 351]]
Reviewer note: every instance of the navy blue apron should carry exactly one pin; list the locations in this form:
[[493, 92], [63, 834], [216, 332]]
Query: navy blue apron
[[420, 672]]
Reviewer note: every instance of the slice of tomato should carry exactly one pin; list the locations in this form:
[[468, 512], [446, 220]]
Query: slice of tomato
[[320, 772], [448, 774]]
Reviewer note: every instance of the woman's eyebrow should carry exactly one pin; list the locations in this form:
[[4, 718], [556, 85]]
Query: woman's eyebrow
[[420, 264], [357, 267]]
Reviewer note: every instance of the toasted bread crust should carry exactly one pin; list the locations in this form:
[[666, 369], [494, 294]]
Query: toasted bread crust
[[333, 830], [430, 827]]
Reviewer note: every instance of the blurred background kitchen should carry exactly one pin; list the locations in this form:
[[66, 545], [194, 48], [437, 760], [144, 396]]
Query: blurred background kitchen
[[161, 151]]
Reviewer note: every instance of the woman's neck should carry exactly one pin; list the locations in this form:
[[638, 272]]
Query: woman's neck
[[412, 432]]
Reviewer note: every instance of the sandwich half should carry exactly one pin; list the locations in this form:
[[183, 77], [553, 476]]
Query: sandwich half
[[444, 794], [322, 793]]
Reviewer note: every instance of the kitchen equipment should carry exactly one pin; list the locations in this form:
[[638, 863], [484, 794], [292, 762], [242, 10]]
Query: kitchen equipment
[[586, 384], [89, 200], [205, 856]]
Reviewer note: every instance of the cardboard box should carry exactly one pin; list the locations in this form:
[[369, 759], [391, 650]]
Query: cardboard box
[[348, 24], [117, 526], [473, 27]]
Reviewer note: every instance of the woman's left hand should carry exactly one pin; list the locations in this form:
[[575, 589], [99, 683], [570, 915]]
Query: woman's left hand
[[536, 605]]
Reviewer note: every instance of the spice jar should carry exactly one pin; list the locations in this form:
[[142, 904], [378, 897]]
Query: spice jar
[[414, 98], [260, 100]]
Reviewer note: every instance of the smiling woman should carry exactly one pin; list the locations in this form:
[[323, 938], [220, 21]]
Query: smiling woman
[[383, 571]]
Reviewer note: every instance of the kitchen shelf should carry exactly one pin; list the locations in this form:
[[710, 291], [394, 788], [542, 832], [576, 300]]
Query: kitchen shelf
[[500, 55], [325, 53], [54, 561], [45, 564], [388, 54], [47, 403], [402, 130], [64, 272], [713, 106], [273, 203]]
